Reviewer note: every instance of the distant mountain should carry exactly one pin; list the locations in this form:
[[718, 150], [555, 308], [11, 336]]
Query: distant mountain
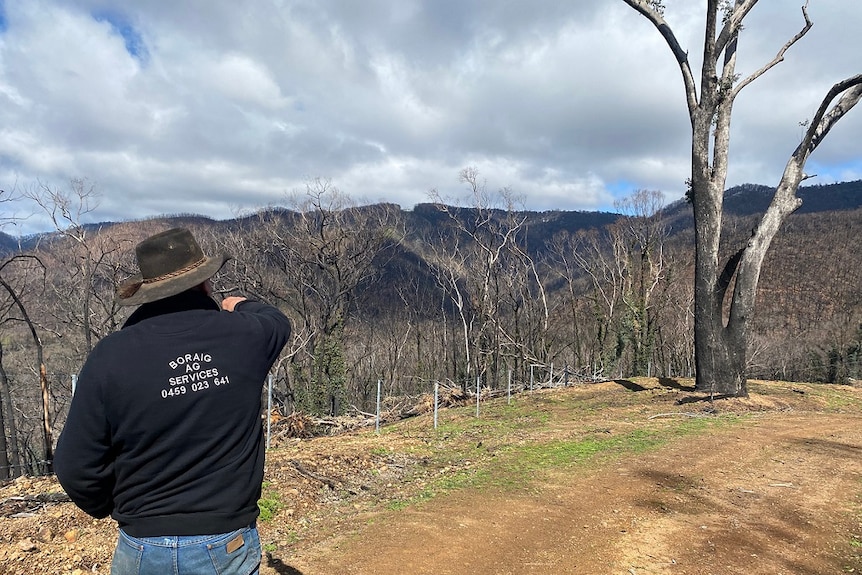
[[743, 200], [8, 244], [539, 227], [753, 199], [750, 199]]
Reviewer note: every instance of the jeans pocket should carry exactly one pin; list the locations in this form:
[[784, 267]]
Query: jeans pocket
[[236, 554], [127, 557]]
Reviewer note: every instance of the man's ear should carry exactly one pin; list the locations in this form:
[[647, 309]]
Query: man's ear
[[205, 287]]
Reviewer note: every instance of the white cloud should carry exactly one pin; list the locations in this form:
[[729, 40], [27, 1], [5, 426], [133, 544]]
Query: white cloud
[[245, 81], [173, 106]]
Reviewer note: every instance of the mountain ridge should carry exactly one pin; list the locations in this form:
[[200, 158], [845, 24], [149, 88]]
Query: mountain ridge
[[743, 200]]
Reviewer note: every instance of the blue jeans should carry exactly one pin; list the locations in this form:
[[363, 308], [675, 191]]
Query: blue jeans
[[234, 553]]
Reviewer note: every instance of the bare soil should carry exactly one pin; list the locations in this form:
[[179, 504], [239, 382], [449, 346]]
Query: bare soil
[[773, 485]]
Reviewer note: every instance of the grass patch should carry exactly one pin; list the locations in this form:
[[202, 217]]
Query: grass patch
[[497, 418], [837, 398], [519, 465], [834, 398], [269, 502], [524, 463]]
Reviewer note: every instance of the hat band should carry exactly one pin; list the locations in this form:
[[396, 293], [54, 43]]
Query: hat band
[[176, 273]]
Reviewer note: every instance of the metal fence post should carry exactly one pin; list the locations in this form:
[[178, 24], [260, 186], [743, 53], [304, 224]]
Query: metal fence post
[[436, 401], [269, 410], [377, 416]]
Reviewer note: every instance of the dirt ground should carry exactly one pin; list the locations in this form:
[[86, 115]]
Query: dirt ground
[[775, 489]]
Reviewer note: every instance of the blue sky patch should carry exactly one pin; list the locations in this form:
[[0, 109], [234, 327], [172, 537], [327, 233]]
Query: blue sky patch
[[133, 40], [3, 25], [621, 188], [830, 173]]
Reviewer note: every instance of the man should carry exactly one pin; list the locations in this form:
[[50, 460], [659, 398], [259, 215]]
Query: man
[[164, 432]]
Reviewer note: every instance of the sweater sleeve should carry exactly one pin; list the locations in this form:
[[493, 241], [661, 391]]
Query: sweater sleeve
[[83, 461], [273, 321]]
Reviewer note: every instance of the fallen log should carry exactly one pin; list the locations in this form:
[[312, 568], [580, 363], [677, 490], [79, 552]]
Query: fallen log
[[305, 472], [23, 505]]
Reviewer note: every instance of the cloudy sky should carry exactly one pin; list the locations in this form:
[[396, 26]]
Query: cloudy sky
[[213, 107]]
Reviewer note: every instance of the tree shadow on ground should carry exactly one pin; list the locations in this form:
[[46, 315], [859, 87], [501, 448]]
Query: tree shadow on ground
[[674, 384], [668, 382], [630, 385], [840, 449], [280, 566], [706, 398]]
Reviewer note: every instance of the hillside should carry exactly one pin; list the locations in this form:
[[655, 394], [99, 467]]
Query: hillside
[[740, 201], [753, 199], [630, 476], [447, 304]]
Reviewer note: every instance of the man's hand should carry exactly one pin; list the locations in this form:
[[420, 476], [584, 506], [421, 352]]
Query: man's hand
[[230, 302]]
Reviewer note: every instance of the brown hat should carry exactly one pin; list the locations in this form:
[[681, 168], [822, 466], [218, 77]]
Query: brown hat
[[170, 262]]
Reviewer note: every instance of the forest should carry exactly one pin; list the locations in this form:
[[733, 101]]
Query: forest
[[486, 294]]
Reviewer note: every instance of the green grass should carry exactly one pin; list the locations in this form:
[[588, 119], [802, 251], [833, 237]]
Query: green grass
[[517, 465], [834, 398], [503, 420], [269, 503], [533, 460]]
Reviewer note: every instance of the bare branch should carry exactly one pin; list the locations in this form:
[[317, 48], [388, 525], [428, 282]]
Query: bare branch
[[823, 121], [779, 57], [652, 11], [732, 25], [12, 194]]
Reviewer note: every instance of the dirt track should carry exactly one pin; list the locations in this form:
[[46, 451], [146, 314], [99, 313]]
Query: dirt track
[[777, 492], [779, 496]]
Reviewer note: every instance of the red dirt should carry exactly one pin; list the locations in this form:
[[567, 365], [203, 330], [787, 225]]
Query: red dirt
[[777, 492], [779, 496]]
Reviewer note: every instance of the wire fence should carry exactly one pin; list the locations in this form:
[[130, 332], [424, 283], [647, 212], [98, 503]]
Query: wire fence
[[28, 435], [27, 406]]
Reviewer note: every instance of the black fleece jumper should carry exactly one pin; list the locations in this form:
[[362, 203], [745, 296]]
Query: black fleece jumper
[[164, 431]]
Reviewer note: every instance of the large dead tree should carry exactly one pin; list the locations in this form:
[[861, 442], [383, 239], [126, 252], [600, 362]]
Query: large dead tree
[[721, 329], [86, 261], [47, 437], [325, 252], [483, 266]]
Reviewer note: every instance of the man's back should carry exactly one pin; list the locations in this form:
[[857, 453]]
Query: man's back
[[164, 432], [174, 400]]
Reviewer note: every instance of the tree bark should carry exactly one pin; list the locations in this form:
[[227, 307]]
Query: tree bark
[[5, 469]]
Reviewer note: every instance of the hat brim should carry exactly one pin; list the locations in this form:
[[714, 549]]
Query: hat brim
[[152, 291]]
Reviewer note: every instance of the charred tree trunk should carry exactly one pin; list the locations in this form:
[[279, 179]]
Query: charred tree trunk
[[47, 436], [6, 471]]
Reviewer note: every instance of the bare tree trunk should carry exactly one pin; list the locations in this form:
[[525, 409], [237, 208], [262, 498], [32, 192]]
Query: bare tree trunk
[[6, 470], [47, 436], [720, 344]]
